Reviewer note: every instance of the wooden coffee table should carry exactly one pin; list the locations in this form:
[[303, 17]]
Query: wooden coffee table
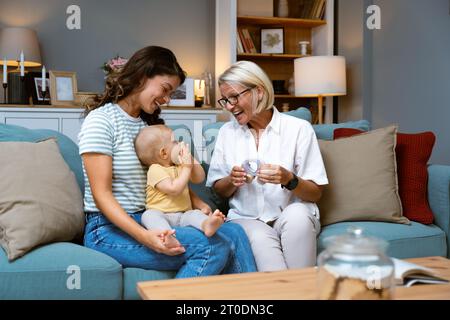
[[298, 284]]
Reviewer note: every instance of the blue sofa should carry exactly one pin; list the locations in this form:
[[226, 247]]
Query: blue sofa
[[43, 272]]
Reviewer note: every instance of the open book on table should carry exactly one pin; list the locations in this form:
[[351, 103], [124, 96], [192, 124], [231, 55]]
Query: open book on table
[[408, 274]]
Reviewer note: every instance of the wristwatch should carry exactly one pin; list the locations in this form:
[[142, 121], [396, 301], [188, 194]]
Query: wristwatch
[[292, 184]]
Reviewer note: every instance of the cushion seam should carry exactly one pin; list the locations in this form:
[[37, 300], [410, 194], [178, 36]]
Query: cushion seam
[[109, 270]]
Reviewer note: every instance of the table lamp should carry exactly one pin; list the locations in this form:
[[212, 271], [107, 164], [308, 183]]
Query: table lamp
[[18, 44], [320, 76], [16, 40]]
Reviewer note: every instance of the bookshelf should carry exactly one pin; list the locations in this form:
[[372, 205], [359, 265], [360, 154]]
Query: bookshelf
[[264, 21], [244, 56], [278, 66]]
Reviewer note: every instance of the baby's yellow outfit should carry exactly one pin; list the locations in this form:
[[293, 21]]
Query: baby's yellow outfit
[[158, 200]]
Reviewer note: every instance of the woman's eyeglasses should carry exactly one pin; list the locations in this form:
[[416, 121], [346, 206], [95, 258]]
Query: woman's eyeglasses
[[233, 100]]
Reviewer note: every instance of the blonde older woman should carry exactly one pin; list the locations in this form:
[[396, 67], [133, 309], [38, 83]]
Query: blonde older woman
[[276, 209]]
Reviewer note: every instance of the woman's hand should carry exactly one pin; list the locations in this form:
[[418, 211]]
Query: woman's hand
[[154, 239], [275, 174], [237, 176]]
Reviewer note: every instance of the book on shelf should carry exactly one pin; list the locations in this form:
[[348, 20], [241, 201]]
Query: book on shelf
[[249, 39], [239, 46], [310, 9], [247, 42], [408, 274], [242, 40]]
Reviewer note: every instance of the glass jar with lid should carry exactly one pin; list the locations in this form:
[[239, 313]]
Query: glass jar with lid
[[354, 266]]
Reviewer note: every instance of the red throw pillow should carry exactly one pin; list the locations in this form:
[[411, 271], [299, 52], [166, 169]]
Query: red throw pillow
[[413, 152]]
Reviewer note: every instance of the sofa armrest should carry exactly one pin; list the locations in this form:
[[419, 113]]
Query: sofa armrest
[[439, 198]]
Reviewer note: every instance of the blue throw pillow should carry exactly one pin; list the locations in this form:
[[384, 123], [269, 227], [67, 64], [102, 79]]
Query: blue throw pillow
[[301, 113], [210, 132], [325, 131], [182, 133]]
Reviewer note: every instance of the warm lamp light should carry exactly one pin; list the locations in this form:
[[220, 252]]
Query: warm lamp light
[[320, 76], [13, 41], [199, 88], [199, 92]]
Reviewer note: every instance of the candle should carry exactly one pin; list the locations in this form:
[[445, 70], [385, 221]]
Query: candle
[[199, 88], [22, 65], [5, 72], [43, 79]]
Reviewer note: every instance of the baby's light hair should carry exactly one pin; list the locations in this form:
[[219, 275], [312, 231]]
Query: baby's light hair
[[149, 142]]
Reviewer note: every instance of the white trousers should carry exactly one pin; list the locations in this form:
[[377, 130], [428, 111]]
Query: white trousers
[[289, 243]]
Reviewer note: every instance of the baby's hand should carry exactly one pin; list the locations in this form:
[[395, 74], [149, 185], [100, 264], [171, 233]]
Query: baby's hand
[[185, 157]]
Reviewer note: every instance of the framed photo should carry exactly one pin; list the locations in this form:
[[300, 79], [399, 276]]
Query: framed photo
[[272, 40], [63, 87], [34, 87], [184, 95]]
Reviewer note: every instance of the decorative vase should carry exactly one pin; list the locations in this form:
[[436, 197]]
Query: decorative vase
[[283, 8], [303, 47]]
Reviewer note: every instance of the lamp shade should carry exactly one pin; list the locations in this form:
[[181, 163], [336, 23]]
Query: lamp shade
[[320, 76], [15, 40]]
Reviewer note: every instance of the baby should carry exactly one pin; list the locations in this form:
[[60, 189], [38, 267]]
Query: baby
[[171, 167]]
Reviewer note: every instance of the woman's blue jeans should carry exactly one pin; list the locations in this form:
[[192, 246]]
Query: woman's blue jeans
[[228, 251]]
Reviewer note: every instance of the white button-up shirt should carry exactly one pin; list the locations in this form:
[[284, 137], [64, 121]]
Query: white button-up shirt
[[287, 141]]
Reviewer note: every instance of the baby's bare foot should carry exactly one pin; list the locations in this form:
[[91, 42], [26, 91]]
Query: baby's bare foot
[[170, 241], [212, 223]]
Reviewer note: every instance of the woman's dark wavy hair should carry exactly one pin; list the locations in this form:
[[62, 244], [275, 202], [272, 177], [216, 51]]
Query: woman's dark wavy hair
[[146, 63]]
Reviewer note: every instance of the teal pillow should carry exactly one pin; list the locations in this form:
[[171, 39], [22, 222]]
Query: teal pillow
[[68, 149], [325, 131], [301, 113], [210, 132], [182, 133]]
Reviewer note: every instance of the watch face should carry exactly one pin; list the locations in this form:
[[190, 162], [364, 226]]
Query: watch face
[[292, 184]]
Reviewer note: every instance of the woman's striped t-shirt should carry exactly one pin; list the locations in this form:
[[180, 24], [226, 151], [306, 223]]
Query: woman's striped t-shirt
[[110, 130]]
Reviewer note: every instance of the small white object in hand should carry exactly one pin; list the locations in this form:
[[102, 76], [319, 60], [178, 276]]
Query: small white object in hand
[[251, 167]]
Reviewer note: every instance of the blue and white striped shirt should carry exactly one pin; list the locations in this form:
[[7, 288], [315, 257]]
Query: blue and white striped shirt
[[111, 131]]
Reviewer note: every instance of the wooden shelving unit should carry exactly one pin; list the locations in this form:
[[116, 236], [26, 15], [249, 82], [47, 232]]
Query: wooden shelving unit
[[279, 66], [287, 96], [267, 21], [243, 56]]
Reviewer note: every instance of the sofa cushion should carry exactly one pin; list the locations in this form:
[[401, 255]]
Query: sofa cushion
[[363, 179], [182, 133], [325, 131], [131, 276], [208, 194], [413, 152], [41, 201], [45, 273], [405, 241], [301, 113], [68, 149]]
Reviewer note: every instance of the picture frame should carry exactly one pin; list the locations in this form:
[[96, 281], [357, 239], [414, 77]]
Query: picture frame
[[34, 85], [183, 96], [272, 40], [63, 87]]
